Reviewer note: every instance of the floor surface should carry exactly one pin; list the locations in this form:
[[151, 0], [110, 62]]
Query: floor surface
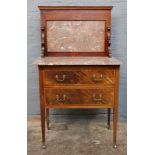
[[76, 137]]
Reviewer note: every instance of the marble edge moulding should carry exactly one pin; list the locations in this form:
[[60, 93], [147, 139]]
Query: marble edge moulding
[[76, 61]]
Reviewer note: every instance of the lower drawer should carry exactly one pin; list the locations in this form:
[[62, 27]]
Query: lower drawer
[[79, 96]]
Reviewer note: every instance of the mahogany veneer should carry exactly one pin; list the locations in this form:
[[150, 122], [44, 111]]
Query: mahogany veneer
[[79, 75]]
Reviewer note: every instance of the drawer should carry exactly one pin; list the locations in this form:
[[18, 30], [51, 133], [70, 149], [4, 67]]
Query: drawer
[[61, 77], [79, 96]]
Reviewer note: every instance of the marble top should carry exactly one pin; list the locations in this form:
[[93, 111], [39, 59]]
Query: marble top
[[76, 61]]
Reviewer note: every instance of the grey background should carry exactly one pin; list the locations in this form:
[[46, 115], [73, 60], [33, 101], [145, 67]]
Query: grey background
[[118, 48]]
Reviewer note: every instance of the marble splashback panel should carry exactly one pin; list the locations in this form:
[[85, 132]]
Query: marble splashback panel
[[75, 36]]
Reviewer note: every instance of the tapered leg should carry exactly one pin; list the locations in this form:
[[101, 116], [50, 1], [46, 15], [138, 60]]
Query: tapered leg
[[42, 106], [115, 108], [47, 118], [115, 127], [109, 111], [43, 127]]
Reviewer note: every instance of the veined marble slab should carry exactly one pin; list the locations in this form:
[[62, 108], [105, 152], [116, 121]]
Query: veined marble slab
[[76, 61], [75, 36]]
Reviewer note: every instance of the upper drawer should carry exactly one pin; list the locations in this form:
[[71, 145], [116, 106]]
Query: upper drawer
[[92, 76]]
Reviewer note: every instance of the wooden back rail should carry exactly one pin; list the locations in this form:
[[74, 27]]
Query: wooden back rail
[[73, 13]]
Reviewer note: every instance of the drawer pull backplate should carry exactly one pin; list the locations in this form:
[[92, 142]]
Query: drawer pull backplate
[[100, 78], [58, 98], [97, 98], [60, 79]]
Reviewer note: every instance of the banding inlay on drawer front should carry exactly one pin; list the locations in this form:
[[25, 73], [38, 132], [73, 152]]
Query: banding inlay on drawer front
[[101, 76], [79, 96]]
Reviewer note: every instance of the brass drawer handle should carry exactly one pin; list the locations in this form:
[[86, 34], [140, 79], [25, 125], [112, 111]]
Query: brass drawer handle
[[100, 78], [60, 79], [97, 97], [58, 98]]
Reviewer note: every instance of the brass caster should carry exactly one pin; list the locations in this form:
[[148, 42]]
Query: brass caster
[[115, 146], [43, 146]]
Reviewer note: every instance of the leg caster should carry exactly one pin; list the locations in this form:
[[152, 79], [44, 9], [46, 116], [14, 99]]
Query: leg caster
[[115, 146], [43, 146]]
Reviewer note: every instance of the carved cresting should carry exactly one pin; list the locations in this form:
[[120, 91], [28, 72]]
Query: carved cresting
[[109, 41], [42, 42]]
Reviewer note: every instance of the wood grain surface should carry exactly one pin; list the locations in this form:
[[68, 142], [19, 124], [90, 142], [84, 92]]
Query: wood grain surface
[[77, 77]]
